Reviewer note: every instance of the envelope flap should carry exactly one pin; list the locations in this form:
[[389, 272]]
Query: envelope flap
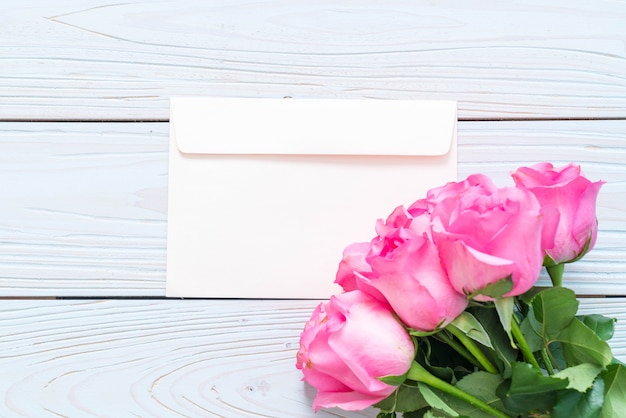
[[312, 126]]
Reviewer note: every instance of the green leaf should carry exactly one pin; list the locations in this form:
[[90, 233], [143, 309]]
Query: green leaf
[[554, 308], [435, 401], [556, 351], [522, 405], [504, 307], [386, 415], [526, 380], [416, 414], [506, 354], [409, 398], [531, 329], [601, 325], [580, 377], [496, 290], [581, 345], [614, 391], [404, 399], [470, 326], [482, 385], [393, 380], [530, 294], [388, 404], [529, 391], [441, 360], [572, 404], [435, 414]]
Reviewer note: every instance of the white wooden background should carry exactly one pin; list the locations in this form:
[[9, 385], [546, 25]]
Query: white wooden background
[[84, 90]]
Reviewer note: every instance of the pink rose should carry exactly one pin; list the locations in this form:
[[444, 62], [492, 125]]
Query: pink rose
[[401, 267], [347, 345], [568, 205], [353, 262], [485, 234]]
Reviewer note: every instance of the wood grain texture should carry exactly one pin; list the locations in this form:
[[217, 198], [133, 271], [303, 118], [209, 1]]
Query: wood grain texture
[[97, 60], [498, 148], [154, 358], [168, 358], [84, 205], [83, 211]]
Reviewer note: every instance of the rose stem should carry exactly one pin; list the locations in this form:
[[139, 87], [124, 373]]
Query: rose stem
[[420, 374], [473, 348], [523, 344], [556, 274], [546, 361]]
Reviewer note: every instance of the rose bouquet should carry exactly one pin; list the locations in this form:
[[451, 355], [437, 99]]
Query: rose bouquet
[[440, 315]]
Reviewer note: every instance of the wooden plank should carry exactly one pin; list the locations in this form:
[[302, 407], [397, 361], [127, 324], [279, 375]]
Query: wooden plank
[[154, 358], [83, 209], [84, 205], [97, 60], [192, 358], [498, 148]]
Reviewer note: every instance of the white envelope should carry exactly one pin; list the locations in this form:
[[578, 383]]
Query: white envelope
[[264, 194]]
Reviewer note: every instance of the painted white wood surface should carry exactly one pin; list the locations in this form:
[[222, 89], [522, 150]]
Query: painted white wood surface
[[96, 59], [168, 358], [84, 205], [153, 359], [83, 208], [83, 211]]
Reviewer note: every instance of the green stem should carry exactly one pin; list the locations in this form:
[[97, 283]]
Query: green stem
[[547, 361], [523, 344], [458, 348], [556, 274], [472, 348], [554, 363], [420, 374]]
